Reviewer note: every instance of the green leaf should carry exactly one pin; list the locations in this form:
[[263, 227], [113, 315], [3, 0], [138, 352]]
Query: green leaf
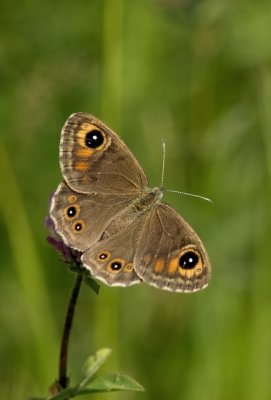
[[64, 394], [93, 363], [112, 382], [103, 383], [92, 284]]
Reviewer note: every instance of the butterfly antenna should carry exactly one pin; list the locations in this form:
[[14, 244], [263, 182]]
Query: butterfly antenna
[[163, 163], [177, 191], [192, 195]]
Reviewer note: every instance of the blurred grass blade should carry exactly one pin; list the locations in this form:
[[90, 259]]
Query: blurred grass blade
[[93, 363], [28, 267]]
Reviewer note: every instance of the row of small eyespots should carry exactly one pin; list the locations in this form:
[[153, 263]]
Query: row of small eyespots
[[115, 265], [189, 261], [73, 211]]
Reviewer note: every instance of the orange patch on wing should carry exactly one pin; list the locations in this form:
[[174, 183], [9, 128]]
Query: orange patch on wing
[[187, 273], [86, 126], [193, 272], [81, 166], [173, 265], [81, 135], [159, 265], [84, 153]]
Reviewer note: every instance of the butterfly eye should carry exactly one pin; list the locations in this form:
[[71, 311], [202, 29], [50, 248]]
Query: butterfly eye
[[94, 139], [78, 226]]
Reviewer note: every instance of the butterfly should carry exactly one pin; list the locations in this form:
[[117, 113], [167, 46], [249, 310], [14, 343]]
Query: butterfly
[[105, 209]]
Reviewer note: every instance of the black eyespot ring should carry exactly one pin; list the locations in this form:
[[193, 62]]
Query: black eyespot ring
[[71, 212], [94, 139], [189, 260], [78, 226], [115, 265], [104, 255]]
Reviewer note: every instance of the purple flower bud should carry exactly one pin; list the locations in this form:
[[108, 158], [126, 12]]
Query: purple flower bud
[[67, 254]]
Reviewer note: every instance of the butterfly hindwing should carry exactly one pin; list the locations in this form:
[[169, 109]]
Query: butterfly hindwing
[[81, 219], [112, 260], [169, 254]]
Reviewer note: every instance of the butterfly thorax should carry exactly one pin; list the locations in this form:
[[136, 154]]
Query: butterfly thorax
[[148, 199]]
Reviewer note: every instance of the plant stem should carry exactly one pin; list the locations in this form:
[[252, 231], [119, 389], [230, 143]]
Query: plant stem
[[63, 378]]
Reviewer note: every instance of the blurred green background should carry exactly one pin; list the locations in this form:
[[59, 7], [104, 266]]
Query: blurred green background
[[198, 75]]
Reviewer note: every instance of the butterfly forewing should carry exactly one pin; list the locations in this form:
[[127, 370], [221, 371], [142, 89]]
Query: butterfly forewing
[[94, 159]]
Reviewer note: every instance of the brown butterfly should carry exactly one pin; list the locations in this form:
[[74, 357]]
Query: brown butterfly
[[105, 209]]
